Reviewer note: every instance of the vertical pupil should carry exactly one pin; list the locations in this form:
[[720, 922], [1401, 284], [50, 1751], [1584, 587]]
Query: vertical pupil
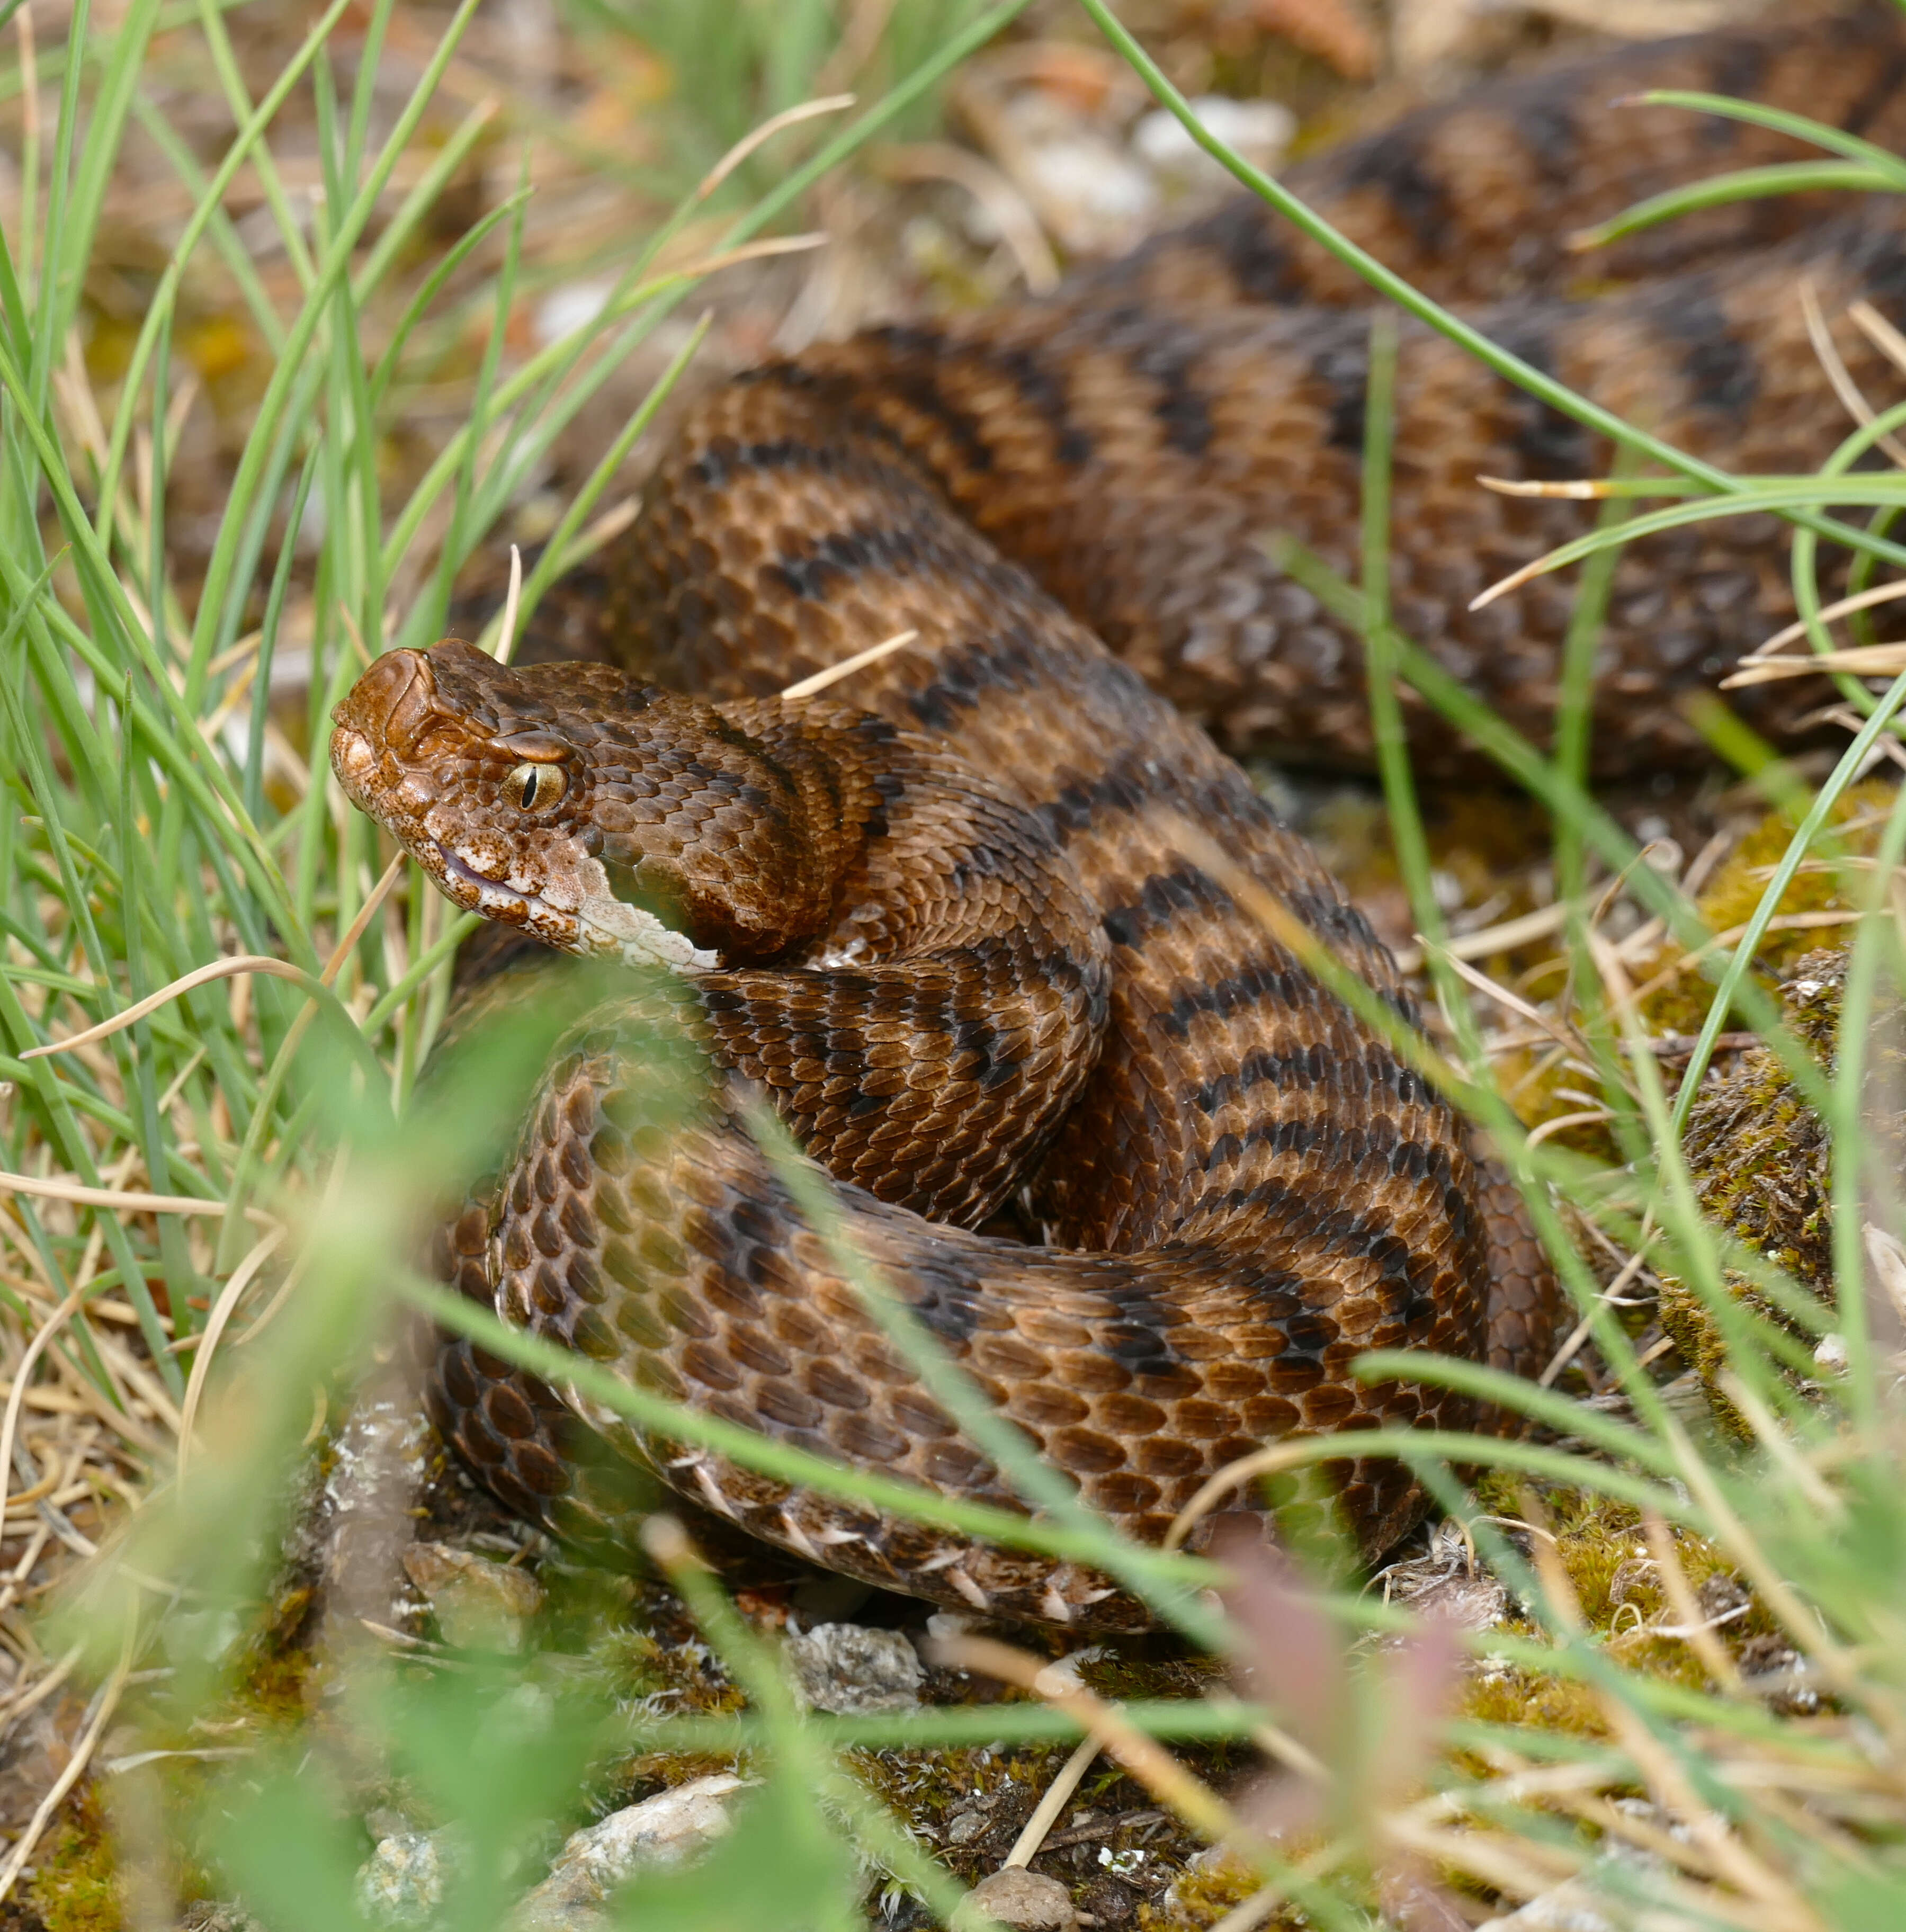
[[532, 786]]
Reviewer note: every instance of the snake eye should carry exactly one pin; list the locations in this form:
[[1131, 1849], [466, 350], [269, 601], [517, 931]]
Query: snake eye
[[535, 787]]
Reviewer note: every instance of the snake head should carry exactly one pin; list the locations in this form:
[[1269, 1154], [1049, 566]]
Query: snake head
[[602, 815]]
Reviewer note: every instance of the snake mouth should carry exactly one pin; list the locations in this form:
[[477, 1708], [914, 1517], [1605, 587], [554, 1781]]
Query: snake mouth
[[603, 924], [491, 894]]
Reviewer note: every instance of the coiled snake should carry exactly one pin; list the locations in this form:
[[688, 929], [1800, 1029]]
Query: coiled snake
[[944, 916]]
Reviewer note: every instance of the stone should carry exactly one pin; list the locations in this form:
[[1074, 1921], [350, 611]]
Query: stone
[[1020, 1900], [1583, 1904], [847, 1668], [1105, 1901], [479, 1605], [403, 1880], [664, 1830], [1570, 1907], [1720, 1595], [1258, 130], [964, 1826], [1466, 1602]]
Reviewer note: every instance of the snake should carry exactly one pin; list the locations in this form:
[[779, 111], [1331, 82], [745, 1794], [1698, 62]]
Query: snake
[[996, 922]]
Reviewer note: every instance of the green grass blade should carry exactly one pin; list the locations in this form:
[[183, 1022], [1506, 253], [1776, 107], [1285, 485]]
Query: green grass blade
[[1744, 185]]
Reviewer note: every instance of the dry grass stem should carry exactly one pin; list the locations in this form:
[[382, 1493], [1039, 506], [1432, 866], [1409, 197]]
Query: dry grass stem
[[1887, 339], [1057, 1795], [221, 1312], [506, 634], [199, 975], [790, 117], [75, 1769], [1149, 1761], [821, 680], [1851, 400]]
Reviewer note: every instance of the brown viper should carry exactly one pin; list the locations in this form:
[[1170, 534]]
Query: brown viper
[[955, 934]]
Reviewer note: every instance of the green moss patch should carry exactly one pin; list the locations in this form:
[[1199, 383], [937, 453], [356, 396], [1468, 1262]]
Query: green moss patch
[[77, 1887]]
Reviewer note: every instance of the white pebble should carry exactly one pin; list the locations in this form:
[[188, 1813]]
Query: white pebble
[[1259, 131]]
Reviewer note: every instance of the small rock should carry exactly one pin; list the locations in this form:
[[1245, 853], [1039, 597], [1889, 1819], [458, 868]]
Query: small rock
[[1108, 1903], [664, 1830], [1570, 1907], [403, 1880], [218, 1915], [1774, 1670], [964, 1826], [1720, 1595], [846, 1667], [1091, 195], [1583, 1904], [479, 1605], [1469, 1602], [1258, 130], [1022, 1900]]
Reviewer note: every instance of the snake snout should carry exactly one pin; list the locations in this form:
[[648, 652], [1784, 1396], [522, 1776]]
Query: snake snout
[[392, 702]]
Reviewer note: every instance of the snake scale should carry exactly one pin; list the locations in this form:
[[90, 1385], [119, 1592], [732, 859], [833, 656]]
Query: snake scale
[[945, 915]]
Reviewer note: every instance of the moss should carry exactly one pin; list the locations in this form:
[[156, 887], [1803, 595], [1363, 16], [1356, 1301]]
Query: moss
[[1122, 1677], [1761, 1160], [77, 1887], [1502, 1693], [1620, 1593], [930, 1789], [1204, 1895], [1674, 989], [1679, 1003], [270, 1688]]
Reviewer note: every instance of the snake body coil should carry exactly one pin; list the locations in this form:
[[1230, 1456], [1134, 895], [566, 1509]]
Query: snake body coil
[[959, 933]]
